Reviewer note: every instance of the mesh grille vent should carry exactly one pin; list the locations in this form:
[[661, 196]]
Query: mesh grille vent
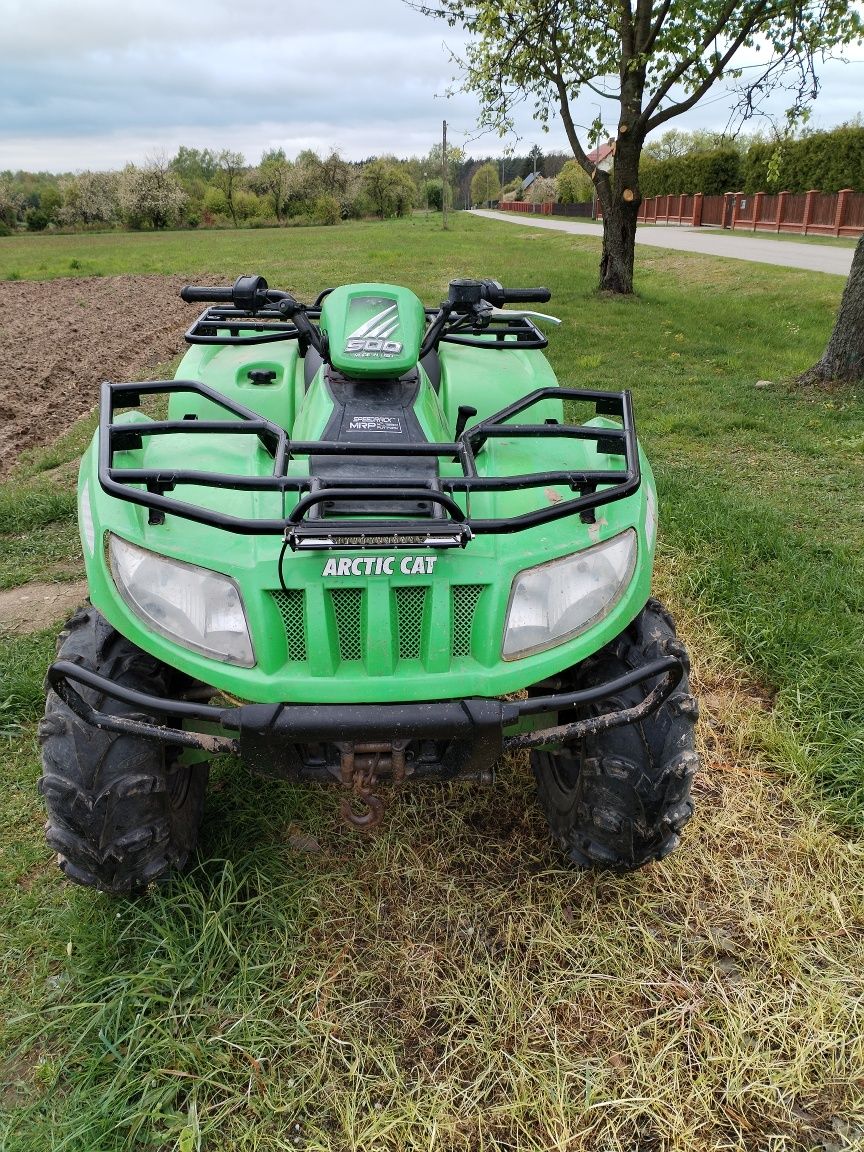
[[290, 607], [347, 604], [410, 603], [465, 597]]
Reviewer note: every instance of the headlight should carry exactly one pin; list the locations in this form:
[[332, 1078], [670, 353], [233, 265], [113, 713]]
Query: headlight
[[557, 601], [191, 605]]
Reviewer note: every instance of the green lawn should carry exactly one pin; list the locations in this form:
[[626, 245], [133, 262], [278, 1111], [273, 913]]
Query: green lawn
[[448, 985]]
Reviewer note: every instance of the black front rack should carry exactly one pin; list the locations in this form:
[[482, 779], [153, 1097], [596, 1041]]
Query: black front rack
[[307, 526]]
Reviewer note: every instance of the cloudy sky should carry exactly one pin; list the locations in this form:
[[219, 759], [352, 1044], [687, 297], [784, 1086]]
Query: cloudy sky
[[97, 83]]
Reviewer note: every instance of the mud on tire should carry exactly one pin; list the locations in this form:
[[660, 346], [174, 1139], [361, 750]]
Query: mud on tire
[[622, 798], [121, 810]]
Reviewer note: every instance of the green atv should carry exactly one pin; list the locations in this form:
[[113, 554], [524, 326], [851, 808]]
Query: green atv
[[357, 541]]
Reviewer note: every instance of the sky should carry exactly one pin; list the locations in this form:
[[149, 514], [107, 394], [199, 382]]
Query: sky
[[95, 84]]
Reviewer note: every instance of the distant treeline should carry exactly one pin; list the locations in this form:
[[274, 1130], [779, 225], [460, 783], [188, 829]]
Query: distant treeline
[[204, 188], [827, 161]]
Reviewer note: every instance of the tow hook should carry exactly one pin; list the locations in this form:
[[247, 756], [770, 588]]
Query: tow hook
[[359, 767]]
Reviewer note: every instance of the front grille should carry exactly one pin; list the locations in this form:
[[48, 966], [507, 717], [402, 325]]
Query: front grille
[[290, 605], [464, 600], [304, 628], [347, 606], [410, 603]]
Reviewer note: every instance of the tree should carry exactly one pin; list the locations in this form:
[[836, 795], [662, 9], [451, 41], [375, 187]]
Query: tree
[[844, 357], [150, 196], [273, 179], [574, 184], [542, 190], [10, 202], [193, 164], [229, 171], [674, 143], [89, 198], [655, 58], [433, 194], [485, 185], [390, 189]]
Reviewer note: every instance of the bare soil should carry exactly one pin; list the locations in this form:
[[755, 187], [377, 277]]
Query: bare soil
[[60, 339], [32, 607]]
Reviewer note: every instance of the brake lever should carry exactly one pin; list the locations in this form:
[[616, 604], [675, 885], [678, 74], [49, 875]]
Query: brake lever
[[483, 313], [523, 312]]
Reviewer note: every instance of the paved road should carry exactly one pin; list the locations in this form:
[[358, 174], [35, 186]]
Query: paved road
[[814, 257]]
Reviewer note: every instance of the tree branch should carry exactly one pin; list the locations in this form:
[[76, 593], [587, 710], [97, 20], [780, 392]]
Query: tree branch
[[648, 45], [698, 93], [716, 69], [627, 50]]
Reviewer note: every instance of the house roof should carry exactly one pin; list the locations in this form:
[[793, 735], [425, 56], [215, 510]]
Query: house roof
[[529, 180], [601, 152]]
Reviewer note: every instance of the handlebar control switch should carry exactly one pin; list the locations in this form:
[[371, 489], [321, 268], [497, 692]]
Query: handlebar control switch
[[245, 292], [465, 294]]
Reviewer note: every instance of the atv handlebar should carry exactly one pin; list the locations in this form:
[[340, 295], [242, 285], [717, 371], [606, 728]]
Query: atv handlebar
[[251, 294], [471, 295], [194, 295], [525, 296]]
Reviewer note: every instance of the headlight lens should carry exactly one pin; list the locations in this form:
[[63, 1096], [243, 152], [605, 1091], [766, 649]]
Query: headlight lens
[[557, 601], [193, 606]]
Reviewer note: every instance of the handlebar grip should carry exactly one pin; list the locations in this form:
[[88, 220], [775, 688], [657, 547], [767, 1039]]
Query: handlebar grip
[[526, 295], [193, 295]]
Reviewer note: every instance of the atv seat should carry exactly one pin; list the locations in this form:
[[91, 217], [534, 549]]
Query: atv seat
[[431, 364]]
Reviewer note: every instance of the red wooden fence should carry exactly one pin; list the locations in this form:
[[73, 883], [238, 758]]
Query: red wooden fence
[[809, 213]]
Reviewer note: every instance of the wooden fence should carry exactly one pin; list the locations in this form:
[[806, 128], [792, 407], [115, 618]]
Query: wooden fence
[[806, 213], [524, 206]]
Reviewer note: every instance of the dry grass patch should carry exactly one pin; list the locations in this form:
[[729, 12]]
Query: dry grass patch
[[449, 985]]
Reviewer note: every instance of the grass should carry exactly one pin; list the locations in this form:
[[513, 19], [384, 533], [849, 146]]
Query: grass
[[794, 237], [448, 985]]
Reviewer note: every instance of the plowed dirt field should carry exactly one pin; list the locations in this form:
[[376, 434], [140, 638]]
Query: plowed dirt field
[[60, 339]]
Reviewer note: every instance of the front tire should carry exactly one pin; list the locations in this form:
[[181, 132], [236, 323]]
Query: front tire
[[622, 798], [122, 810]]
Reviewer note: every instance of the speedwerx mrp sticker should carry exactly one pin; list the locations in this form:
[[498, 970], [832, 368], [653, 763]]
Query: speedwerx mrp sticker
[[379, 566]]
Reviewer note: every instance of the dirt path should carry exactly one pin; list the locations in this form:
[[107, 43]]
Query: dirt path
[[31, 607], [60, 339]]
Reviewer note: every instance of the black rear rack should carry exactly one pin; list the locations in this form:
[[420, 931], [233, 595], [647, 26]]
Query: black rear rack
[[223, 324], [310, 523], [226, 324]]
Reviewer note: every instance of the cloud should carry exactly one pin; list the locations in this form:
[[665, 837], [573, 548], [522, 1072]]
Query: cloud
[[95, 83]]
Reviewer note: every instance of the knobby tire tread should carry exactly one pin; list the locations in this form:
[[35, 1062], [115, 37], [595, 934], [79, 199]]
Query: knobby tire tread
[[622, 799], [112, 819]]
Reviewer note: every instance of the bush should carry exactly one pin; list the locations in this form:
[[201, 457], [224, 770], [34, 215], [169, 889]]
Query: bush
[[828, 161], [325, 209], [5, 230], [574, 184], [711, 173], [37, 220]]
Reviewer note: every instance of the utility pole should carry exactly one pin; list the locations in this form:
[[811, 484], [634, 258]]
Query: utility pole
[[444, 177]]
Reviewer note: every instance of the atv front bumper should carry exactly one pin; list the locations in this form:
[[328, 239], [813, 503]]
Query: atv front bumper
[[476, 730]]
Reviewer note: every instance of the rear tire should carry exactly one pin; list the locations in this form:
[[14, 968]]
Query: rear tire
[[622, 798], [121, 810]]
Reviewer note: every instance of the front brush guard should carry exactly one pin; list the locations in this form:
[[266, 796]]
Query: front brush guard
[[476, 725]]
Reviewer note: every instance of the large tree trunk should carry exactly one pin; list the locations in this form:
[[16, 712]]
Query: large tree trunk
[[620, 199], [844, 356], [619, 243]]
